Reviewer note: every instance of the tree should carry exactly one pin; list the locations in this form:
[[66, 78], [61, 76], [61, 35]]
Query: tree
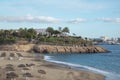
[[22, 33], [6, 37], [50, 30], [56, 32], [60, 29], [86, 38], [32, 33], [65, 29]]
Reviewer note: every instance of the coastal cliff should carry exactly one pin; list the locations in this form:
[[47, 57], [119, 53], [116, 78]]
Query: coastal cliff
[[52, 48]]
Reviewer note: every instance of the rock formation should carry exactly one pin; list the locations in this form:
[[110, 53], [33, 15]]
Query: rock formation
[[52, 48], [68, 49]]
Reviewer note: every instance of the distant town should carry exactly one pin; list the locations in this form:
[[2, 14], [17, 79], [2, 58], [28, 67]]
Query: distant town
[[106, 40]]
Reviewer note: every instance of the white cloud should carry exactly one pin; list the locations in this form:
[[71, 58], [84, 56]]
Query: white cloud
[[77, 20], [117, 20], [29, 18], [39, 19]]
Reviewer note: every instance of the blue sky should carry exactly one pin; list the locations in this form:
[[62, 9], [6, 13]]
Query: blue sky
[[87, 18]]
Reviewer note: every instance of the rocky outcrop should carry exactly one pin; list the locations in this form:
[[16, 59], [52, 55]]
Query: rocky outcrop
[[68, 49], [52, 48]]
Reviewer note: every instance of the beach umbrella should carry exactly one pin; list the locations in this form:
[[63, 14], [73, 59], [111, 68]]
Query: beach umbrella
[[27, 75], [41, 71], [19, 54], [8, 68], [20, 57], [12, 55], [30, 65], [11, 76], [10, 65], [26, 69], [21, 65], [3, 55]]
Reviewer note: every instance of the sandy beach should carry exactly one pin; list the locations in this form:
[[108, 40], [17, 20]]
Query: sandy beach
[[39, 69]]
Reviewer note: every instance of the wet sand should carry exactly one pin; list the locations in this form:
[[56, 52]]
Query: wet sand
[[42, 70]]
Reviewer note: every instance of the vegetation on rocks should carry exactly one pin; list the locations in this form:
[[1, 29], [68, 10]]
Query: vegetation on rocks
[[54, 37]]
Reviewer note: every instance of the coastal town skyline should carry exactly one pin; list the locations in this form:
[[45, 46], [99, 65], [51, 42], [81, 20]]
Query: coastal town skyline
[[83, 17]]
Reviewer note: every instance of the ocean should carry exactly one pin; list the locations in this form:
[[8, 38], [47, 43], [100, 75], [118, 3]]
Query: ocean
[[107, 64]]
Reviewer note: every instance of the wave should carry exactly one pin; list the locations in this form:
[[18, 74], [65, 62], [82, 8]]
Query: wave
[[109, 75], [50, 59]]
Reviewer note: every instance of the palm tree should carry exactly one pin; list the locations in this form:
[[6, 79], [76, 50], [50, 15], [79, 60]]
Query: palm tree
[[11, 76], [60, 29], [56, 32], [32, 33], [65, 29], [50, 30]]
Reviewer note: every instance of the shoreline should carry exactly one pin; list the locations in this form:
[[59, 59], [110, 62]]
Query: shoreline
[[62, 72], [75, 69], [78, 67]]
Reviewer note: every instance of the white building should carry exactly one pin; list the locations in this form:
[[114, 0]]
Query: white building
[[105, 38], [42, 31]]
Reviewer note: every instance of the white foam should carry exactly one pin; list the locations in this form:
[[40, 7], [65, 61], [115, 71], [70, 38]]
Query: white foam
[[49, 58]]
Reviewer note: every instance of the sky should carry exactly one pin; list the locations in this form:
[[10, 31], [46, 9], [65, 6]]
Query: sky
[[87, 18]]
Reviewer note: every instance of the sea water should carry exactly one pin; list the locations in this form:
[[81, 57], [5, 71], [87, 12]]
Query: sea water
[[107, 64]]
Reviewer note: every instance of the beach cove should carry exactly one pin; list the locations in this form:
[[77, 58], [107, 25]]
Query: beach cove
[[39, 69]]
